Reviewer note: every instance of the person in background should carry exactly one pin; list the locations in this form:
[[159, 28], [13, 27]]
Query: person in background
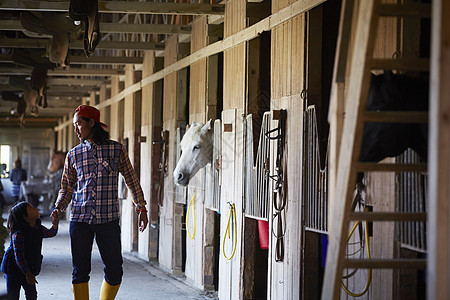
[[90, 182], [22, 260], [17, 176]]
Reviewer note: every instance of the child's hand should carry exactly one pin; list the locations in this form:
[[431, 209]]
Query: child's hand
[[31, 279], [55, 218]]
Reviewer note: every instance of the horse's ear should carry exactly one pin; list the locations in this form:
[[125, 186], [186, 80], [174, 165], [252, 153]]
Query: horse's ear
[[207, 126]]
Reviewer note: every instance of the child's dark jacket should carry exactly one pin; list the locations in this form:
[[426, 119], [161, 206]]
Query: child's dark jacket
[[31, 258]]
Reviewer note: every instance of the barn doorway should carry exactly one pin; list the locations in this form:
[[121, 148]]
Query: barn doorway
[[322, 33], [256, 254]]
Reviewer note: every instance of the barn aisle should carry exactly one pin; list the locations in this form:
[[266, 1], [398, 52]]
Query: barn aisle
[[142, 280]]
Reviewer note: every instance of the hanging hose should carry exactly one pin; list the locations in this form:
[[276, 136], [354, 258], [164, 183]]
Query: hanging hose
[[192, 203], [232, 212], [369, 276]]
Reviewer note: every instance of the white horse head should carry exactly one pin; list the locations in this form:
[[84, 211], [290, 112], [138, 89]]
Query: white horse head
[[196, 152]]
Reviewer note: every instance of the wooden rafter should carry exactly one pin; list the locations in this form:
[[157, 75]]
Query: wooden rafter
[[120, 7], [83, 60], [70, 72], [15, 25], [103, 45]]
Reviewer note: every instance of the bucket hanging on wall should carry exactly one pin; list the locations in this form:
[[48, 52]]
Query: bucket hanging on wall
[[263, 229]]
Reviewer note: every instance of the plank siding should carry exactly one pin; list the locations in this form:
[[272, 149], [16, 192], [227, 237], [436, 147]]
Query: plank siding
[[234, 99], [171, 214], [198, 70], [197, 111], [114, 127], [234, 58], [132, 128], [147, 248], [232, 166], [287, 83]]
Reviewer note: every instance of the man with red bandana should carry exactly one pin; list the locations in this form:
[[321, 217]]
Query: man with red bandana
[[90, 182]]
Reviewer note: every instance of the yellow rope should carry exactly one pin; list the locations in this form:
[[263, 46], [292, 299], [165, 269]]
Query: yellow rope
[[232, 212], [369, 275], [192, 203]]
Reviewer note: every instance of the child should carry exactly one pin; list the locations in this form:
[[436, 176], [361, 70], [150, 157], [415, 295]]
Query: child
[[22, 260]]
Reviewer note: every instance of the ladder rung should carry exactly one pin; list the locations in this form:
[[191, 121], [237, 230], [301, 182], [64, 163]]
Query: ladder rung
[[386, 263], [381, 167], [396, 116], [388, 216], [404, 64], [405, 10]]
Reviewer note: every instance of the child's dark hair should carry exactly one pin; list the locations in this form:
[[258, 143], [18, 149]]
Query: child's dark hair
[[16, 216]]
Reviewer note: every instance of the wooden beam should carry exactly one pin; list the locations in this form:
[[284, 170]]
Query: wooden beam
[[69, 93], [103, 45], [70, 72], [76, 90], [144, 28], [75, 81], [15, 25], [83, 60], [13, 122], [438, 231], [125, 7], [64, 99], [243, 36], [48, 111]]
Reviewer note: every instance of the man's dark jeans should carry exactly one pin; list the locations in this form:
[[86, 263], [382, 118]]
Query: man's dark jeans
[[107, 236]]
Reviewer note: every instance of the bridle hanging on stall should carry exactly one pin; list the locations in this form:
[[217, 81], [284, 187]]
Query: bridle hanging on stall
[[279, 191]]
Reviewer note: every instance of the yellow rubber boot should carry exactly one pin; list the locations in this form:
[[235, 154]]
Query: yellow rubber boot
[[108, 292], [80, 291]]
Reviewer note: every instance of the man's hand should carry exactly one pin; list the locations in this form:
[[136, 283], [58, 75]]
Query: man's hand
[[143, 220]]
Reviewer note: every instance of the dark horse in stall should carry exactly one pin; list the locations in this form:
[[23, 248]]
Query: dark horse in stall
[[393, 92]]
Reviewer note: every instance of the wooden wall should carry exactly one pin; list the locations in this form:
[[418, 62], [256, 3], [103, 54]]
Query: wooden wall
[[230, 269], [114, 127], [197, 108], [235, 57], [174, 110], [198, 77], [287, 83], [151, 107], [234, 98], [132, 129]]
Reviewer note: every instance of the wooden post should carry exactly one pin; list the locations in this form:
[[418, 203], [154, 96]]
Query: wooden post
[[438, 272], [132, 128]]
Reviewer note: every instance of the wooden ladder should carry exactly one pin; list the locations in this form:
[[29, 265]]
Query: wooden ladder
[[348, 165]]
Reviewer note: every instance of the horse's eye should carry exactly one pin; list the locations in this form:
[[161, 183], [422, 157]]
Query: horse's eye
[[196, 147]]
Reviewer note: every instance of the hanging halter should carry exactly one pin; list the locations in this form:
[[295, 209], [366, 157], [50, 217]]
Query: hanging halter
[[279, 192]]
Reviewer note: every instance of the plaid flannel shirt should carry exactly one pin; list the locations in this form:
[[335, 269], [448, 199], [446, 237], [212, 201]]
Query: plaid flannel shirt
[[90, 181]]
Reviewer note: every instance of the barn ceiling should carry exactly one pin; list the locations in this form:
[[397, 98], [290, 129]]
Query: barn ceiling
[[127, 29]]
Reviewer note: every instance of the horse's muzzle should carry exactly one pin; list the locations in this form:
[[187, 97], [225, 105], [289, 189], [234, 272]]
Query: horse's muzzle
[[180, 178]]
